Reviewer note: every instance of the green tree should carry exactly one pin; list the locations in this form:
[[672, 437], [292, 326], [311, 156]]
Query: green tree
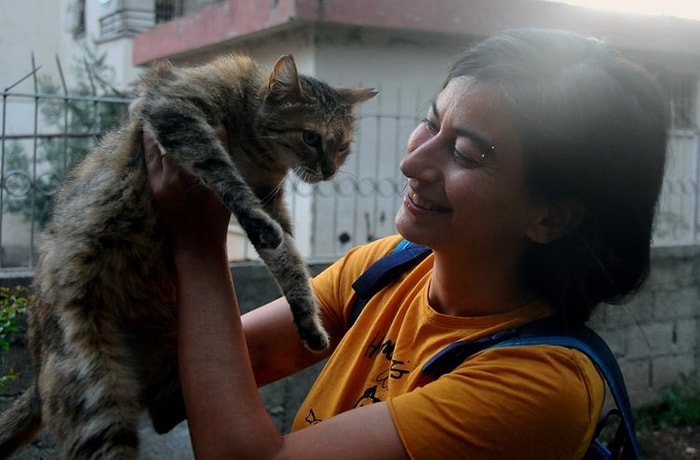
[[13, 306], [81, 115]]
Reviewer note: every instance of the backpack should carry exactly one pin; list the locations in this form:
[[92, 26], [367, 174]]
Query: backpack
[[546, 331]]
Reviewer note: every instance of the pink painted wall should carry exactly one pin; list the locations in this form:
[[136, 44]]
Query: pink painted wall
[[234, 19]]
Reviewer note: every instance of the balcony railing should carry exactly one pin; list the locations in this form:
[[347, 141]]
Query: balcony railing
[[126, 22], [131, 17]]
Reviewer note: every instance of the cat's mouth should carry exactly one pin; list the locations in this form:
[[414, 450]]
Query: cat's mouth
[[310, 176]]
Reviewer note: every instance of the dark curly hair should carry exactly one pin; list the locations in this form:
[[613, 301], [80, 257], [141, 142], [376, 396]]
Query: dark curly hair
[[594, 127]]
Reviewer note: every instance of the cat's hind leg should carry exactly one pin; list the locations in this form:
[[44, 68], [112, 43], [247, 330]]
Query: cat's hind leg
[[20, 423], [91, 411]]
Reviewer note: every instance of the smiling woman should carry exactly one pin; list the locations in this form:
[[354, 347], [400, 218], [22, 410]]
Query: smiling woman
[[533, 178], [467, 197]]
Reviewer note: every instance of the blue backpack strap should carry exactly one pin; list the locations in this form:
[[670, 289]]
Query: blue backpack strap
[[591, 344], [546, 331], [452, 355], [384, 271]]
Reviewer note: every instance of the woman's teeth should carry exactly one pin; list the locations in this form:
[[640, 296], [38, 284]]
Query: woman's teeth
[[423, 204]]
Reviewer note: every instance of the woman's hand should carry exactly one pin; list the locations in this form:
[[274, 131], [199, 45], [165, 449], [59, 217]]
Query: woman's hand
[[191, 213]]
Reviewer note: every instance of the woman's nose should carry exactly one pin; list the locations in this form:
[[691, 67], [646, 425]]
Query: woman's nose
[[421, 160]]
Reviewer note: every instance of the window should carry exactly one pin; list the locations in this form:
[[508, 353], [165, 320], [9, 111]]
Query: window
[[167, 10], [77, 13]]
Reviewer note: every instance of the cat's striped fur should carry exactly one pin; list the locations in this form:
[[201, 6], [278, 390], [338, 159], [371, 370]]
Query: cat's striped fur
[[102, 329]]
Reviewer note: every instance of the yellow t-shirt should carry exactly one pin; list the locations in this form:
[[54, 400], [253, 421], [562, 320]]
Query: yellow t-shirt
[[530, 402]]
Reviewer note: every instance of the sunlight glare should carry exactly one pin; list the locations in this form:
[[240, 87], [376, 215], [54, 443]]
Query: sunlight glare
[[680, 8]]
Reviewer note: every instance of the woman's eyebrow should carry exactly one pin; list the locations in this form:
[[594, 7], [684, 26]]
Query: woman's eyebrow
[[484, 144]]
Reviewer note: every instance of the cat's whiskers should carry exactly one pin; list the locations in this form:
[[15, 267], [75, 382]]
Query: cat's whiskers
[[271, 196], [342, 171], [303, 174]]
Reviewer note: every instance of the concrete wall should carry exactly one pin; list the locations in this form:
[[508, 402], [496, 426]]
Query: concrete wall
[[655, 337]]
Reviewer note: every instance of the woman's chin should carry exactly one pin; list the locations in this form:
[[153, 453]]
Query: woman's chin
[[408, 228]]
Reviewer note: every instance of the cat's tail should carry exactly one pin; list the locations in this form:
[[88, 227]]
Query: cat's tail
[[20, 423]]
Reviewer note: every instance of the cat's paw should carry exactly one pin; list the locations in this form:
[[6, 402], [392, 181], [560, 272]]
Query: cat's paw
[[315, 338], [267, 236], [312, 332]]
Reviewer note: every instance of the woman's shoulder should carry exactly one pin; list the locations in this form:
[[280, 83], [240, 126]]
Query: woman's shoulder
[[545, 392]]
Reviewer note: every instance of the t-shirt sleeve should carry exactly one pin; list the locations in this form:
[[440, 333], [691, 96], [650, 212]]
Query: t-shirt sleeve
[[510, 403], [333, 286]]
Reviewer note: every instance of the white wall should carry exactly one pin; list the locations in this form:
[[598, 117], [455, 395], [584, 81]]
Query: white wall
[[29, 26]]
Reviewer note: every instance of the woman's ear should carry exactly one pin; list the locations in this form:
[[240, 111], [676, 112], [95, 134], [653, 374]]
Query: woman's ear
[[558, 218]]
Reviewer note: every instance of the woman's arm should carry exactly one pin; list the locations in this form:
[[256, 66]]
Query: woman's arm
[[227, 419], [226, 416], [217, 379], [274, 346]]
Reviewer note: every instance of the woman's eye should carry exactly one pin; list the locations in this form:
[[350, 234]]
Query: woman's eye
[[467, 154], [429, 125], [311, 138], [465, 159]]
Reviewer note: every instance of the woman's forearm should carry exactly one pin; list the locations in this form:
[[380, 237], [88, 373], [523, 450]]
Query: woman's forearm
[[215, 369]]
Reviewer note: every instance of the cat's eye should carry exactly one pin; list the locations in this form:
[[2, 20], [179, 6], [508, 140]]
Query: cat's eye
[[311, 138]]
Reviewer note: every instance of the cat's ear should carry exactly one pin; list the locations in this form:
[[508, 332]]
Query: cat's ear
[[357, 95], [284, 79]]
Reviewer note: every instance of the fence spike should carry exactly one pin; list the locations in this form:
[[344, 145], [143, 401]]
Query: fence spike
[[60, 73], [32, 72]]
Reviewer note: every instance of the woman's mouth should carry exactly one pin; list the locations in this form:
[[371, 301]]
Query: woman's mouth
[[421, 203]]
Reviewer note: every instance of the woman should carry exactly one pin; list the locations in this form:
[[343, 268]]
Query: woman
[[533, 179]]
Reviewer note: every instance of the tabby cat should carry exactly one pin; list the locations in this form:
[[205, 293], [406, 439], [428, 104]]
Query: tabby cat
[[102, 330]]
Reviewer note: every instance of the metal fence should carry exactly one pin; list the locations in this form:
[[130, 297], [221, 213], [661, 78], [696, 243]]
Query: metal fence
[[678, 219], [43, 135]]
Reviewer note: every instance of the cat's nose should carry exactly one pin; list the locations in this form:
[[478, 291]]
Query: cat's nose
[[327, 171]]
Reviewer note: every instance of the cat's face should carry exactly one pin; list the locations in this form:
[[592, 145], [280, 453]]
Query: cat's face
[[311, 124]]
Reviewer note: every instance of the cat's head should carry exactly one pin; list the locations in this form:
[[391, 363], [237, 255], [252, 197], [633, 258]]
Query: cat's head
[[309, 123]]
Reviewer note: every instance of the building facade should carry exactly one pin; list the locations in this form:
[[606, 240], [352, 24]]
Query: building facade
[[403, 48]]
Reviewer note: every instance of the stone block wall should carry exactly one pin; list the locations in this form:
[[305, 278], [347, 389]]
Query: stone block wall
[[655, 335]]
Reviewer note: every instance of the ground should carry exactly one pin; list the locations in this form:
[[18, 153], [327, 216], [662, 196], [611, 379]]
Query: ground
[[670, 443]]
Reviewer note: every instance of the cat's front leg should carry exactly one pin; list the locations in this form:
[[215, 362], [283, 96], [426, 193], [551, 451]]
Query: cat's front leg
[[289, 270], [262, 230], [195, 145]]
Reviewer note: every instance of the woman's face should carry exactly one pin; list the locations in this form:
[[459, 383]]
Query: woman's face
[[464, 165]]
